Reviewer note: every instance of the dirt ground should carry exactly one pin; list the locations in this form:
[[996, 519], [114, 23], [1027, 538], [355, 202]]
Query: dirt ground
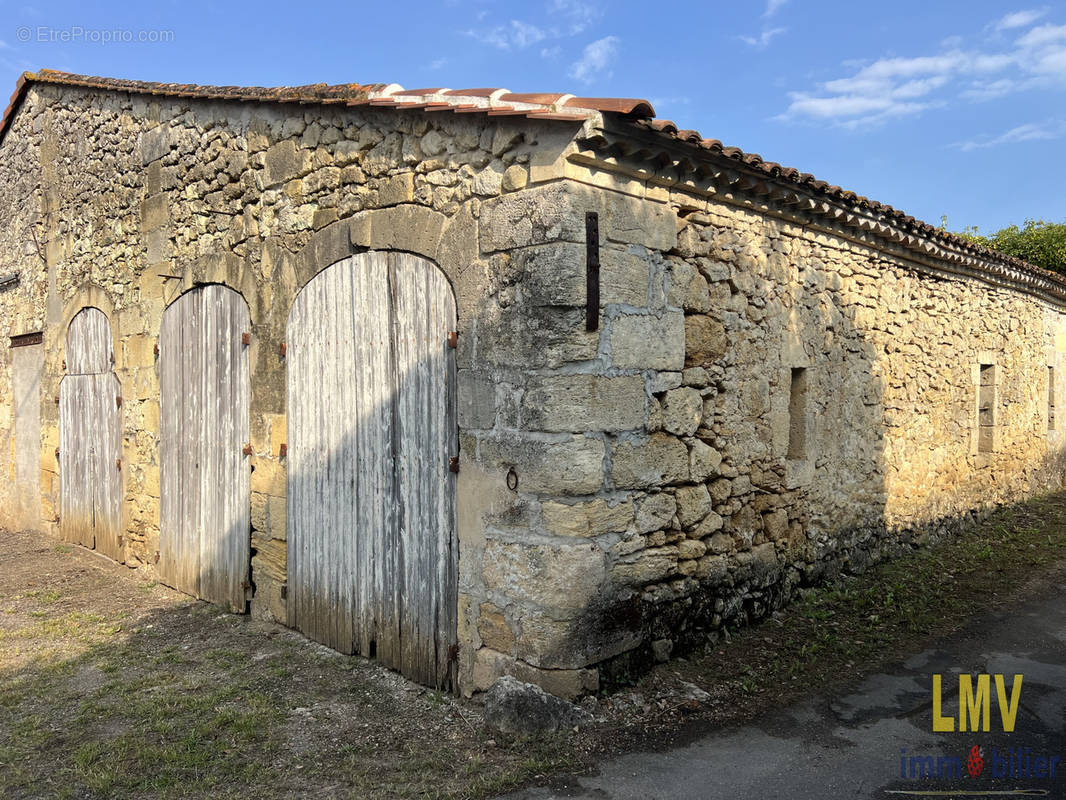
[[114, 686]]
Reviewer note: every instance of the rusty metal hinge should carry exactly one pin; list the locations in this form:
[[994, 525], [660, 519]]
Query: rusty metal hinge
[[246, 585], [118, 463], [155, 350], [284, 590], [57, 454], [453, 652], [57, 399], [282, 348], [155, 560], [248, 449], [453, 339], [283, 450], [453, 464], [246, 339], [64, 365], [120, 540], [118, 402]]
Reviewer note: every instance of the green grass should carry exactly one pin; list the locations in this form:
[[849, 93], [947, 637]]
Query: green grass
[[860, 622], [185, 709]]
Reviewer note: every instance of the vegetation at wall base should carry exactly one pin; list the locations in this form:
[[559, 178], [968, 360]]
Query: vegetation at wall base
[[839, 632]]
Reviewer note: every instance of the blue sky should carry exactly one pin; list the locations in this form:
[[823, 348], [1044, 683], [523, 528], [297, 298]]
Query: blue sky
[[938, 108]]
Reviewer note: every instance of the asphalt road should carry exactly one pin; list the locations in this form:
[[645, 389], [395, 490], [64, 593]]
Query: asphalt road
[[860, 744]]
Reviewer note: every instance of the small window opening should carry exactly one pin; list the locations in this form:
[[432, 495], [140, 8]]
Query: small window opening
[[986, 408], [797, 415], [1051, 398]]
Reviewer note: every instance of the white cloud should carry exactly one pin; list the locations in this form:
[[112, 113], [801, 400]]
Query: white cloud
[[853, 110], [900, 86], [566, 18], [516, 34], [772, 7], [763, 40], [576, 15], [596, 59], [1029, 132], [990, 91], [439, 63], [1019, 19], [1043, 35], [524, 34]]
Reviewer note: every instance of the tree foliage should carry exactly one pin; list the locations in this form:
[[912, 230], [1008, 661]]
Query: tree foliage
[[1038, 242]]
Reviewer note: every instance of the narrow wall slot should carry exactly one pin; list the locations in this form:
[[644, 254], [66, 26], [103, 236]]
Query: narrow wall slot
[[592, 271], [986, 408], [1051, 398], [797, 415]]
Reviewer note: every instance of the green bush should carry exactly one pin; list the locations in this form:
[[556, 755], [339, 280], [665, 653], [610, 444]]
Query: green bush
[[1038, 242]]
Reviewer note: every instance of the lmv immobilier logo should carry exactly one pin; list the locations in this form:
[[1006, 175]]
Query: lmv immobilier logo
[[976, 715], [975, 704]]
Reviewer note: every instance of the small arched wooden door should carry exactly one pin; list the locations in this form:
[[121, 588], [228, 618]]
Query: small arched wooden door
[[90, 438], [205, 502], [372, 551]]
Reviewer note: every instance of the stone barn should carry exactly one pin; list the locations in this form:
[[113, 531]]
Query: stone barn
[[482, 383]]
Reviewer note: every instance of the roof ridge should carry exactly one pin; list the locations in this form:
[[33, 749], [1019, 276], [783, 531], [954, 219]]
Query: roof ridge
[[497, 101]]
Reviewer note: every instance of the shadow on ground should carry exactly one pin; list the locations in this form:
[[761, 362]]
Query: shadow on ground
[[111, 685]]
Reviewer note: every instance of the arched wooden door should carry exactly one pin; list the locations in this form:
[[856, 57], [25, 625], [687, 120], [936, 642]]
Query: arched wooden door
[[205, 501], [372, 550], [90, 438]]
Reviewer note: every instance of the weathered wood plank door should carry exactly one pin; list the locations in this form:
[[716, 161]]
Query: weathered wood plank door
[[205, 501], [90, 438], [372, 549]]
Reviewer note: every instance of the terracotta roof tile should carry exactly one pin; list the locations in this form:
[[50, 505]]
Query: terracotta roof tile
[[615, 105], [472, 92], [543, 99]]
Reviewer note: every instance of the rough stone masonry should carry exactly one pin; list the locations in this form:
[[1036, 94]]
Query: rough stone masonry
[[785, 380]]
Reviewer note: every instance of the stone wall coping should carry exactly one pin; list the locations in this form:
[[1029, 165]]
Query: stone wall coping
[[663, 156]]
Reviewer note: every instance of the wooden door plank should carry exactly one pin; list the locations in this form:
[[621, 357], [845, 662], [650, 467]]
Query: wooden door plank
[[191, 432], [239, 502], [76, 492], [210, 352], [106, 474], [90, 437], [170, 458], [424, 315], [205, 376], [89, 349], [370, 389]]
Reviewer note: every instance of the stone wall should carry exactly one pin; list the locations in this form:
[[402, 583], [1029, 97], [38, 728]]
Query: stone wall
[[124, 202], [678, 507], [623, 492]]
